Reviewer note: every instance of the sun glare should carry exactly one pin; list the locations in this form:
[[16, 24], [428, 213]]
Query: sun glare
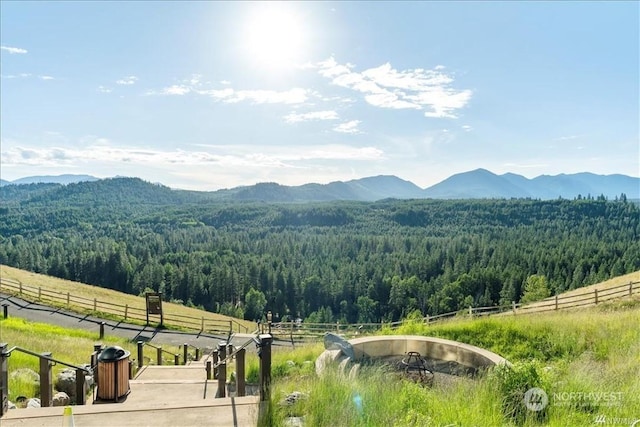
[[274, 36]]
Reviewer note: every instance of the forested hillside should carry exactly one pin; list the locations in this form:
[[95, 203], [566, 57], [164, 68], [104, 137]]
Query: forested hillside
[[333, 261]]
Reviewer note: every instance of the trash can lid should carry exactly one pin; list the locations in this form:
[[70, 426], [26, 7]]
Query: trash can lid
[[113, 353]]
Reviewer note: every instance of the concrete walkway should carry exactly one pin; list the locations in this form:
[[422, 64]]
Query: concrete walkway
[[160, 396]]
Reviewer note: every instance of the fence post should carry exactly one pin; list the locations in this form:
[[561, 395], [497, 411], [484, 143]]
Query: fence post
[[176, 359], [20, 288], [5, 310], [630, 288], [95, 305], [140, 354], [68, 300], [513, 306], [222, 380], [556, 299], [595, 292], [39, 293], [209, 373], [126, 310], [185, 349], [240, 378], [81, 390], [159, 356], [202, 325], [4, 379], [197, 353], [470, 311], [46, 383], [101, 330], [265, 366]]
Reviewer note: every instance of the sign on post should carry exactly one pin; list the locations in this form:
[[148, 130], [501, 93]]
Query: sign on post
[[154, 305]]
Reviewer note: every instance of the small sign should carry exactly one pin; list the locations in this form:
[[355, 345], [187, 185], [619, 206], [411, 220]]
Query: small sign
[[154, 303]]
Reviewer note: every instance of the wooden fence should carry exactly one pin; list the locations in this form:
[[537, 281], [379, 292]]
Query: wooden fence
[[294, 331], [128, 313], [300, 332]]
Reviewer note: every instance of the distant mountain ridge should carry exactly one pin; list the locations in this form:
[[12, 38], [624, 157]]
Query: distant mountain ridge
[[476, 184]]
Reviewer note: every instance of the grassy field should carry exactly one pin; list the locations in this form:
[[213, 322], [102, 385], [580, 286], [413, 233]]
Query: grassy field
[[89, 292], [587, 362]]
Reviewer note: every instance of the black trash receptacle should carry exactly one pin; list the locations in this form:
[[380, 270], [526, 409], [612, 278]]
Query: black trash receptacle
[[113, 373]]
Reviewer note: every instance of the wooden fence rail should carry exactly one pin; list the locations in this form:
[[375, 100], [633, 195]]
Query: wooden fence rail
[[125, 312], [299, 331]]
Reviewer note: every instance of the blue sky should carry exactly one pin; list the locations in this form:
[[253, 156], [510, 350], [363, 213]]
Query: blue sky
[[210, 95]]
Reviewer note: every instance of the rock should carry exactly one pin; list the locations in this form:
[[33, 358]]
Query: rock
[[61, 399], [11, 405], [66, 382], [294, 422], [291, 363], [33, 403], [336, 342], [292, 398]]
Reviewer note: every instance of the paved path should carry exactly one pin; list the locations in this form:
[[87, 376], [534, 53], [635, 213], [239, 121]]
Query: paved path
[[35, 312]]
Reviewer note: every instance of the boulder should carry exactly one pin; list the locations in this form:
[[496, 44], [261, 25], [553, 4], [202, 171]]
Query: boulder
[[66, 382], [11, 405], [61, 399], [33, 403], [293, 397], [336, 342]]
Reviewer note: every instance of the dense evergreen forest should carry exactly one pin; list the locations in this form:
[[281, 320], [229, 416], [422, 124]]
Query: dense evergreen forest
[[338, 261]]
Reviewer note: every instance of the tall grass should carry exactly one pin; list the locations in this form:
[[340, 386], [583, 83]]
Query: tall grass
[[587, 362], [73, 346]]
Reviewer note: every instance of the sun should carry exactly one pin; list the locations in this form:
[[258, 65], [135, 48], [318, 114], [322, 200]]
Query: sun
[[274, 36]]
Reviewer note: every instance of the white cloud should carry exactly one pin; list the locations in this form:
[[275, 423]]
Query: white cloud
[[127, 81], [386, 87], [103, 89], [13, 50], [230, 95], [291, 96], [46, 78], [467, 128], [102, 151], [314, 115], [348, 127]]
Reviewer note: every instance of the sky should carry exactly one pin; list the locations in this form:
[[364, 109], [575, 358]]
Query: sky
[[212, 95]]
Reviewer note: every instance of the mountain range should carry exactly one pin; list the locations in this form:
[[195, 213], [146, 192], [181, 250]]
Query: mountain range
[[476, 184]]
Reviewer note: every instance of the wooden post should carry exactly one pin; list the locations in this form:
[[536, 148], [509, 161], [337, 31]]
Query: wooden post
[[240, 376], [81, 390], [68, 300], [556, 301], [140, 354], [197, 353], [4, 379], [595, 292], [159, 356], [46, 383], [265, 366], [209, 373], [95, 305], [20, 287], [214, 360], [5, 310], [101, 330], [126, 310], [513, 306], [185, 353], [202, 325], [470, 311], [176, 359], [630, 288], [39, 293], [222, 380]]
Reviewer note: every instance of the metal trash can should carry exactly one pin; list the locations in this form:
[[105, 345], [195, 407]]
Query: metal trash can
[[113, 373]]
